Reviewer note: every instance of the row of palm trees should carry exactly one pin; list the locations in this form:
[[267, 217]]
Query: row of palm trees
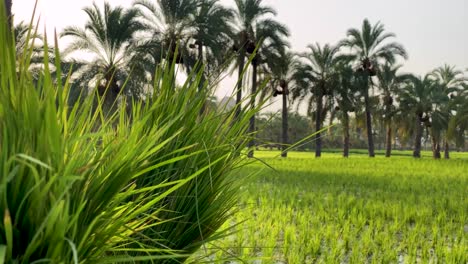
[[357, 77], [360, 75], [186, 32], [331, 76], [404, 103]]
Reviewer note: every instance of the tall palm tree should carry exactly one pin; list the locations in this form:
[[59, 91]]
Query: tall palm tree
[[21, 38], [212, 37], [28, 41], [405, 129], [109, 36], [345, 93], [269, 37], [316, 77], [247, 14], [416, 98], [390, 82], [459, 122], [213, 32], [170, 24], [369, 47], [439, 117], [450, 79], [200, 30], [282, 71]]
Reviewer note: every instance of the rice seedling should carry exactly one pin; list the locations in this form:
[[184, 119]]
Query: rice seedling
[[333, 210]]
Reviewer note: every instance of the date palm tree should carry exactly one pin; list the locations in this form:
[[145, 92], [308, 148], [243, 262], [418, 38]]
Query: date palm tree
[[439, 117], [269, 37], [199, 30], [247, 14], [390, 82], [187, 32], [29, 43], [282, 72], [369, 47], [170, 24], [345, 94], [458, 125], [316, 79], [450, 79], [213, 33], [417, 98], [212, 38], [108, 35]]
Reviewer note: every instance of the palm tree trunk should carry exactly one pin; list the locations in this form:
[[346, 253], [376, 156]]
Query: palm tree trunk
[[202, 80], [417, 140], [388, 124], [446, 149], [8, 4], [345, 134], [318, 122], [370, 137], [200, 52], [435, 147], [110, 98], [388, 139], [241, 61], [252, 105], [284, 153], [330, 122]]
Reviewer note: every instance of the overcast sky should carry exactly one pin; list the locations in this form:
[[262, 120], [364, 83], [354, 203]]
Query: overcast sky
[[434, 32]]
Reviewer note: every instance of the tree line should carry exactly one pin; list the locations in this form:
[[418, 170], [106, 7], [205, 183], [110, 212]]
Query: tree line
[[359, 78]]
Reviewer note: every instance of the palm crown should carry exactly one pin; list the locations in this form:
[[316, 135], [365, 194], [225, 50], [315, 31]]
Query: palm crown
[[184, 25], [248, 13], [109, 36], [213, 34], [369, 46], [317, 74], [170, 23]]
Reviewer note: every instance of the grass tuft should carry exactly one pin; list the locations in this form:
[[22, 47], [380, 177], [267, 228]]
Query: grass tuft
[[150, 183]]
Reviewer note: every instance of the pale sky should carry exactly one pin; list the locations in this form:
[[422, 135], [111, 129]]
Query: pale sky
[[434, 32]]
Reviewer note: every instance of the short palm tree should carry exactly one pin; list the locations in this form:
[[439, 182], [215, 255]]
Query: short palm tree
[[108, 35], [390, 82], [459, 122], [316, 78], [369, 48], [439, 117], [450, 79], [247, 14], [417, 98]]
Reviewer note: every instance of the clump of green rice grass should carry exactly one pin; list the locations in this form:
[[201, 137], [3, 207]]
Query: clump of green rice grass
[[150, 185]]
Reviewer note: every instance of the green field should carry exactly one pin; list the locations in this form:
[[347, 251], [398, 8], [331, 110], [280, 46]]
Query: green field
[[356, 210]]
